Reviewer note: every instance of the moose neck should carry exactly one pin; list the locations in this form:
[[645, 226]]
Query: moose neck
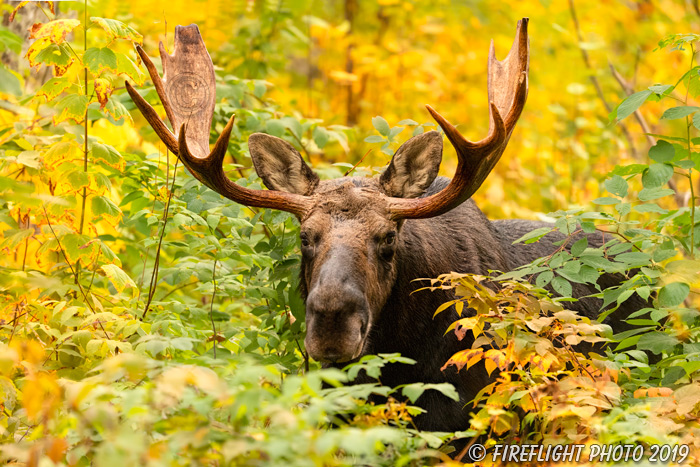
[[462, 240]]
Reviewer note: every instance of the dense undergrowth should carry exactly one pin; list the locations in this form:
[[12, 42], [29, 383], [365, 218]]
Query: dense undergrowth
[[145, 320]]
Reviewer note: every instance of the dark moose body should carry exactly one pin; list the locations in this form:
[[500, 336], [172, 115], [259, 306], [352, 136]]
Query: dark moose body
[[365, 240], [461, 240]]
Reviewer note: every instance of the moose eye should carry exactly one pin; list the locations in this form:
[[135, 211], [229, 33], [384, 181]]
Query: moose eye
[[388, 247], [305, 240]]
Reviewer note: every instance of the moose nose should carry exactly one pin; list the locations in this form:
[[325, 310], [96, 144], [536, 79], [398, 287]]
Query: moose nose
[[335, 299], [336, 323]]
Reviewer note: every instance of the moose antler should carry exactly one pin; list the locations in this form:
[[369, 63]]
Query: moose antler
[[188, 94], [507, 91]]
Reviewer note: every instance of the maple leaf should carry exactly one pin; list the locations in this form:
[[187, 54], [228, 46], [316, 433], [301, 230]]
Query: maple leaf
[[56, 31], [103, 89]]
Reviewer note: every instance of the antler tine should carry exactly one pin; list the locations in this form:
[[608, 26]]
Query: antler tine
[[151, 116], [157, 81], [507, 91], [187, 92], [209, 170]]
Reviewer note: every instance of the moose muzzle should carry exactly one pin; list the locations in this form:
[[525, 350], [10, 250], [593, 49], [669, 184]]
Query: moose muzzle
[[337, 318]]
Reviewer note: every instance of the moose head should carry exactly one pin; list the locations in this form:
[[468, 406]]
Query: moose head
[[351, 228]]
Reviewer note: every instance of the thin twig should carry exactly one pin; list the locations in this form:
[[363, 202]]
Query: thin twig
[[154, 275], [594, 79], [211, 307], [358, 163], [179, 287], [303, 148]]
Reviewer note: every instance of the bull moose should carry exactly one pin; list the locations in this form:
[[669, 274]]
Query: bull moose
[[364, 240]]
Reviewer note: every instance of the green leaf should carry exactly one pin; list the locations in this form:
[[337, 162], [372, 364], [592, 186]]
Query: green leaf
[[9, 83], [274, 128], [634, 258], [617, 186], [544, 278], [99, 60], [394, 132], [661, 88], [623, 208], [104, 206], [415, 390], [259, 89], [648, 194], [561, 286], [293, 125], [657, 175], [408, 122], [10, 40], [374, 139], [679, 112], [696, 121], [662, 151], [650, 207], [54, 87], [51, 55], [606, 201], [119, 279], [631, 169], [116, 110], [117, 29], [106, 154], [418, 131], [127, 67], [78, 248], [29, 159], [381, 125], [579, 247], [535, 235], [643, 292], [71, 107], [657, 342], [321, 137], [673, 294], [632, 103]]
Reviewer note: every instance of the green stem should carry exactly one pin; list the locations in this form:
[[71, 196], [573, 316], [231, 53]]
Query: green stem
[[85, 142], [690, 170]]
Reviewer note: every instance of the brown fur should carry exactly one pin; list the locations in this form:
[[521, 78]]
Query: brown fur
[[359, 268]]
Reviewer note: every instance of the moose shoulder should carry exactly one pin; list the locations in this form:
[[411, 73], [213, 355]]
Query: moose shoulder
[[365, 240]]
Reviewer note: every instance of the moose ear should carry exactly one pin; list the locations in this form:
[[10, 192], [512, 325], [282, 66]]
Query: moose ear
[[414, 166], [280, 165]]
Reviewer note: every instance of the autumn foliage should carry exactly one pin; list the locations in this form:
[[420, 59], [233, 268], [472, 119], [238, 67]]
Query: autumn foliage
[[145, 320]]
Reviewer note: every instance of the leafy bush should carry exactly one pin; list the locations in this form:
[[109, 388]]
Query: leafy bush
[[146, 320], [643, 386]]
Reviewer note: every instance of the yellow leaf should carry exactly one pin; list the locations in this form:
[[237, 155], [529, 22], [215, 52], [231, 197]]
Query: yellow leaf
[[29, 351], [490, 366], [103, 89], [41, 394], [57, 448], [687, 398], [119, 279], [72, 107], [342, 77], [17, 8], [53, 88], [56, 31], [466, 357], [117, 29]]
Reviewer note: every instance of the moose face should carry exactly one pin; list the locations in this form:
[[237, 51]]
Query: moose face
[[349, 237]]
